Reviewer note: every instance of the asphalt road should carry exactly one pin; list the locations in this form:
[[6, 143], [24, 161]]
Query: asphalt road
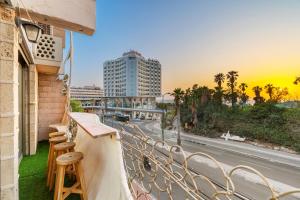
[[283, 177]]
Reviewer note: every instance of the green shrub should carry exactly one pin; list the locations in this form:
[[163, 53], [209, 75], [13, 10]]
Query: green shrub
[[296, 147], [76, 106], [265, 122]]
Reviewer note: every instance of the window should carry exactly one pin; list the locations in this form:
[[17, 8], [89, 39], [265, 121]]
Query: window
[[46, 29]]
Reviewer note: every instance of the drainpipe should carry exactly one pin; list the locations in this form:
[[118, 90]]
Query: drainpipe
[[28, 102]]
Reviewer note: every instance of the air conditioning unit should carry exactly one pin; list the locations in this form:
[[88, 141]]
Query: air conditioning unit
[[48, 53]]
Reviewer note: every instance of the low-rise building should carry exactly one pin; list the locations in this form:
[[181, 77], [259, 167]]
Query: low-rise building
[[87, 95]]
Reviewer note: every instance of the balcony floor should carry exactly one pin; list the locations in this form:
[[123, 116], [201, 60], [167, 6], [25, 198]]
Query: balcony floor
[[32, 181]]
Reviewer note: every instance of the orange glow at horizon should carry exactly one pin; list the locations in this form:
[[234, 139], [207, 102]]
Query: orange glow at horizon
[[280, 79], [278, 64]]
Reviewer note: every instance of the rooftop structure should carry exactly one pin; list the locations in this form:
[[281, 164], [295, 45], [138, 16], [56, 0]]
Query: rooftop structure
[[86, 93]]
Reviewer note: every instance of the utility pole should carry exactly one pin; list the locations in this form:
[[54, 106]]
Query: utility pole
[[163, 118], [178, 127], [163, 126]]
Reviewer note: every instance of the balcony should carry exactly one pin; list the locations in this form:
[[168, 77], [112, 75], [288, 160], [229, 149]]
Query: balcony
[[138, 167]]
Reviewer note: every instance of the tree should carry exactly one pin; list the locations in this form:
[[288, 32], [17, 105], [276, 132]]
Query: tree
[[205, 95], [194, 96], [218, 95], [76, 106], [270, 90], [244, 96], [219, 79], [187, 95], [297, 80], [178, 94], [279, 94], [258, 98], [276, 94], [231, 83]]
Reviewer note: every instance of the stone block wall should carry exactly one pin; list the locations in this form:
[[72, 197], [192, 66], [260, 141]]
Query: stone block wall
[[9, 111], [51, 103]]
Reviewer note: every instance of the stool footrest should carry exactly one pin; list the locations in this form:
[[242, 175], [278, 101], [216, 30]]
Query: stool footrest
[[73, 189]]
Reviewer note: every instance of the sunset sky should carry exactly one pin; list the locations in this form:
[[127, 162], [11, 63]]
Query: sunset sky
[[195, 39]]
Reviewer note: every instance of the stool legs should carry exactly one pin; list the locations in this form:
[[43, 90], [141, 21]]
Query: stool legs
[[53, 169], [80, 178], [59, 185], [78, 187], [50, 163]]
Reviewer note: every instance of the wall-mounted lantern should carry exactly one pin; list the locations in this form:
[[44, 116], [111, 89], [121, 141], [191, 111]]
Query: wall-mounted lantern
[[33, 31]]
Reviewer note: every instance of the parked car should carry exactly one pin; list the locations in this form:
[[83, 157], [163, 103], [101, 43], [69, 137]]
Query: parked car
[[122, 117], [108, 114]]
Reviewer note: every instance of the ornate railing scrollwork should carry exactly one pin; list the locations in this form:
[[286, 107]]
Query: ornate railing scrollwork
[[73, 128], [164, 173]]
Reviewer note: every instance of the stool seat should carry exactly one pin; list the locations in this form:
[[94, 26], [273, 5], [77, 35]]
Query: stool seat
[[55, 134], [69, 158], [58, 139], [64, 146]]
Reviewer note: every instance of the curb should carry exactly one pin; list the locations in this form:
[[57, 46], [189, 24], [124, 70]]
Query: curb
[[185, 138], [244, 154]]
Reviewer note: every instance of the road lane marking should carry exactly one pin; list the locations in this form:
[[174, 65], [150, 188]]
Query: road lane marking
[[255, 164]]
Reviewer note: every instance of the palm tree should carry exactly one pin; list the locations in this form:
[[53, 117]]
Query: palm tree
[[178, 94], [244, 96], [269, 90], [297, 80], [243, 87], [231, 83], [187, 95], [205, 95], [194, 98], [219, 80], [258, 98]]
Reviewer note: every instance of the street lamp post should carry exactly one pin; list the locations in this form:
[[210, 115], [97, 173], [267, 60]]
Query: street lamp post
[[163, 119], [178, 128]]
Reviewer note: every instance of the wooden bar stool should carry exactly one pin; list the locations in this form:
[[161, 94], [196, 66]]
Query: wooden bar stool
[[59, 149], [62, 161], [51, 135], [53, 141], [56, 134]]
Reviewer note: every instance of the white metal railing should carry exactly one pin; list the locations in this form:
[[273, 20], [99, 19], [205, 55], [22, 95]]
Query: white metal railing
[[167, 172]]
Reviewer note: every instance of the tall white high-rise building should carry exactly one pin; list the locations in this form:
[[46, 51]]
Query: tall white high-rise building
[[132, 76]]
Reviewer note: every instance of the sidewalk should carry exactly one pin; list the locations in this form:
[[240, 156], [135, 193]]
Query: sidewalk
[[276, 156]]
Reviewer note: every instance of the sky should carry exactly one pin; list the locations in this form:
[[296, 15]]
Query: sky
[[196, 39]]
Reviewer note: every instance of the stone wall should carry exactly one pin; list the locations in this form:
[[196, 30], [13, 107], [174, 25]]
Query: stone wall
[[9, 111], [51, 104], [33, 109]]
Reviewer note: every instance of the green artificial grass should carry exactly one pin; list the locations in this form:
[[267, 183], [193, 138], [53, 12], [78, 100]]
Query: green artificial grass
[[33, 177]]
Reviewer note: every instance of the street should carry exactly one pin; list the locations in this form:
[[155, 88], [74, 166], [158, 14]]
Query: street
[[282, 177]]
